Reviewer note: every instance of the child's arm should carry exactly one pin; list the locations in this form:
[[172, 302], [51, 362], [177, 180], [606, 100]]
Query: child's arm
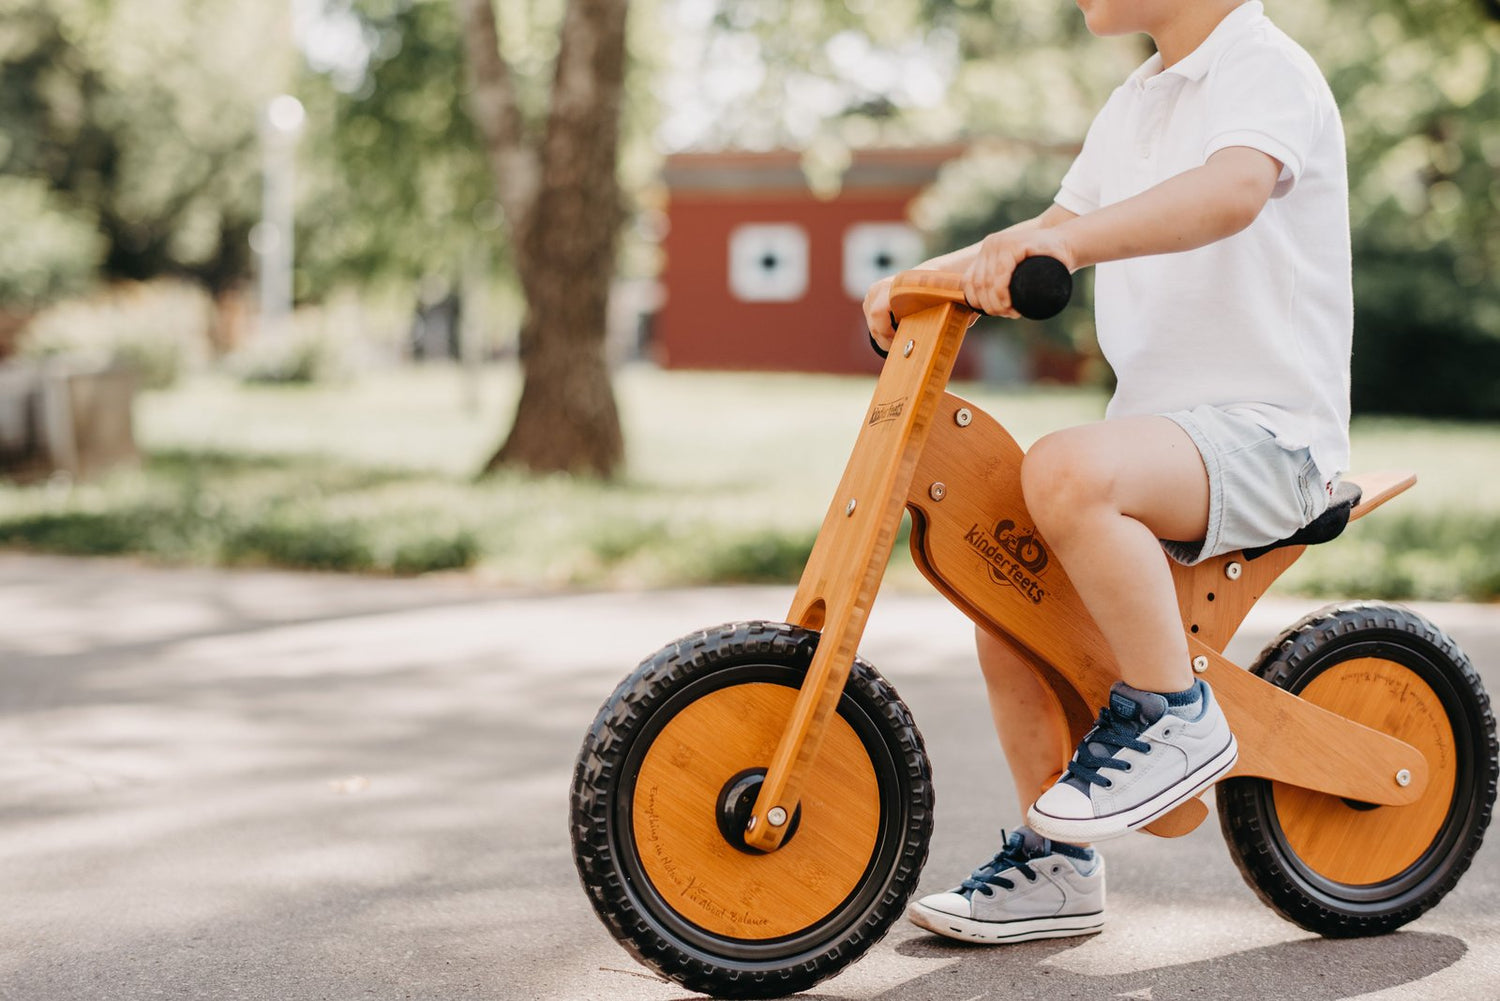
[[1193, 209], [959, 261], [878, 298]]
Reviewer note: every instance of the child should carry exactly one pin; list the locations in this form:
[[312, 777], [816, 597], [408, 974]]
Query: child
[[1211, 192]]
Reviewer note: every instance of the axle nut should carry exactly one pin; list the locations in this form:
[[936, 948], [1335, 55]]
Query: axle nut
[[963, 418], [1403, 778], [776, 816], [1233, 571], [1200, 664], [937, 491]]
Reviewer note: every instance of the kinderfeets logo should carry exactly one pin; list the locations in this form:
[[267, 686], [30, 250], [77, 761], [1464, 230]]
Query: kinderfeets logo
[[1016, 557], [882, 412]]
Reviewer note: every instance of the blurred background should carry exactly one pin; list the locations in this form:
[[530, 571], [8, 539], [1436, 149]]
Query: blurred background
[[565, 293]]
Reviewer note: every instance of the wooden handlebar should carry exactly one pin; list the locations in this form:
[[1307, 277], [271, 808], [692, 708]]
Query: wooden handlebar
[[914, 291], [1039, 289]]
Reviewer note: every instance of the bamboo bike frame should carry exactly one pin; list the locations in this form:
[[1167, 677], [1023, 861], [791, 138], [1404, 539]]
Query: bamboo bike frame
[[958, 472]]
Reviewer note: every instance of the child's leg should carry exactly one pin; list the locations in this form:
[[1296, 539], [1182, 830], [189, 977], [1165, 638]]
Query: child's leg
[[1032, 888], [1032, 727], [1103, 495]]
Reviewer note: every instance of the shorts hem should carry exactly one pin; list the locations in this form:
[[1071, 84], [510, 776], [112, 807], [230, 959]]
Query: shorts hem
[[1191, 553]]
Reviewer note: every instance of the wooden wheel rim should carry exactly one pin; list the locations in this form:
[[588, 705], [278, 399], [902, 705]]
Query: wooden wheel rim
[[1355, 844], [701, 877]]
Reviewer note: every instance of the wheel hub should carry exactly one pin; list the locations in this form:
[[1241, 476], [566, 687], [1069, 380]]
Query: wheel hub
[[736, 800]]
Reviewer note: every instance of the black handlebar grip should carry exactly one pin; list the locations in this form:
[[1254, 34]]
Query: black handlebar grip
[[1040, 287]]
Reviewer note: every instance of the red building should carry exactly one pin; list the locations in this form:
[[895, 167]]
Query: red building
[[761, 273]]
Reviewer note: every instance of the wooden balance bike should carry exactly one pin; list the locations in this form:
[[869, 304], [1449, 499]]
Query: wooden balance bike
[[751, 808]]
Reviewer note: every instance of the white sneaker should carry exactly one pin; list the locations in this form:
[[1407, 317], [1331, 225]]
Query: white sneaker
[[1155, 759], [1032, 889]]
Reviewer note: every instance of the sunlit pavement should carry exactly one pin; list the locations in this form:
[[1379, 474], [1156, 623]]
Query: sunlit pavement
[[265, 785]]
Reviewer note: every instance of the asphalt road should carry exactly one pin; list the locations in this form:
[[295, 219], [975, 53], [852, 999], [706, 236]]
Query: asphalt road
[[294, 787]]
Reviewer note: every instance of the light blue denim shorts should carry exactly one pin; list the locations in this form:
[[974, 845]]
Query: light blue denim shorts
[[1259, 492]]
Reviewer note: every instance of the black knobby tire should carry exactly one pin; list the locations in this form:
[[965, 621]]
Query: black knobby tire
[[607, 852], [1248, 807]]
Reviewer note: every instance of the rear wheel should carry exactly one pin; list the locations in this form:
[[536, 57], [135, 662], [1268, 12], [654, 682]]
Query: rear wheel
[[1344, 868], [665, 782]]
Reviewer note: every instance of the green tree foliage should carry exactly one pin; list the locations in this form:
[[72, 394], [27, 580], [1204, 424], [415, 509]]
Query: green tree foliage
[[1419, 86], [397, 186], [58, 253], [141, 117], [900, 71]]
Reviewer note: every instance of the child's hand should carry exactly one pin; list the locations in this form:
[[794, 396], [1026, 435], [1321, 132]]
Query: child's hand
[[987, 280], [878, 313]]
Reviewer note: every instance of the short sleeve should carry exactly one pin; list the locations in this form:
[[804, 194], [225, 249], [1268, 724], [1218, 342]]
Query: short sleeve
[[1265, 99], [1081, 190]]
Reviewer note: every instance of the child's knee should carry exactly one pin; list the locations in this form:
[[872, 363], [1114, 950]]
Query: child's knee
[[1060, 477]]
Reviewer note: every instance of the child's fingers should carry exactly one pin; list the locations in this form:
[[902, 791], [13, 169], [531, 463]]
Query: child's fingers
[[879, 322], [878, 316], [987, 285]]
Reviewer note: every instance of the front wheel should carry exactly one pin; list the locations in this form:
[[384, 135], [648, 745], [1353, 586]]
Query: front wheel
[[1343, 868], [666, 779]]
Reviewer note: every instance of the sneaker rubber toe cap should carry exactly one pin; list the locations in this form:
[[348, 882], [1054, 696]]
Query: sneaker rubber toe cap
[[947, 903], [1065, 803]]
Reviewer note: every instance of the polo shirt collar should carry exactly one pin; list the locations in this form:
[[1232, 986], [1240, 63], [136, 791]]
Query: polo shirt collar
[[1196, 64]]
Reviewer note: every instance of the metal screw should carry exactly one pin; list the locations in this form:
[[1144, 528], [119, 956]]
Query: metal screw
[[850, 509], [1403, 778], [937, 491], [751, 825], [963, 418], [1233, 571], [906, 351], [1200, 664], [776, 816]]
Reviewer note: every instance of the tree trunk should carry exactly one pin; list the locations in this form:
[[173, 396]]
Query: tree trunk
[[564, 236]]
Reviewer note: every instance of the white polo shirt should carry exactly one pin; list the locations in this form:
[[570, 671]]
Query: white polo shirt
[[1260, 322]]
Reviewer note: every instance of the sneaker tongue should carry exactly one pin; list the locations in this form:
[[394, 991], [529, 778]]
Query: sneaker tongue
[[1134, 704], [1028, 840]]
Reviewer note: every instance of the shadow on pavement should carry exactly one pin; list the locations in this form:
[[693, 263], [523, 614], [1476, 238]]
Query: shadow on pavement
[[1304, 970]]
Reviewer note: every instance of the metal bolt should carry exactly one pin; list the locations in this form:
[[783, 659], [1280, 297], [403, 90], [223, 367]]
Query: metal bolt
[[776, 816], [750, 826], [1403, 778], [850, 509], [906, 351], [937, 491], [1233, 571], [963, 418], [1200, 664]]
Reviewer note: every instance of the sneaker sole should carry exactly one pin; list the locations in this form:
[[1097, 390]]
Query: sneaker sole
[[1000, 932], [1114, 825]]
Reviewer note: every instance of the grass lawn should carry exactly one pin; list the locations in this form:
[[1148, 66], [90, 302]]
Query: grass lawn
[[728, 477]]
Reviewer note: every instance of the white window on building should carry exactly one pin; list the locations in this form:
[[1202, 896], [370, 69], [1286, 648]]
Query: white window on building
[[768, 262], [873, 250]]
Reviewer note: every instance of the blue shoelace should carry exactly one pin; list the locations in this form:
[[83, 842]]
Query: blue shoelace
[[1013, 856], [1112, 732]]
